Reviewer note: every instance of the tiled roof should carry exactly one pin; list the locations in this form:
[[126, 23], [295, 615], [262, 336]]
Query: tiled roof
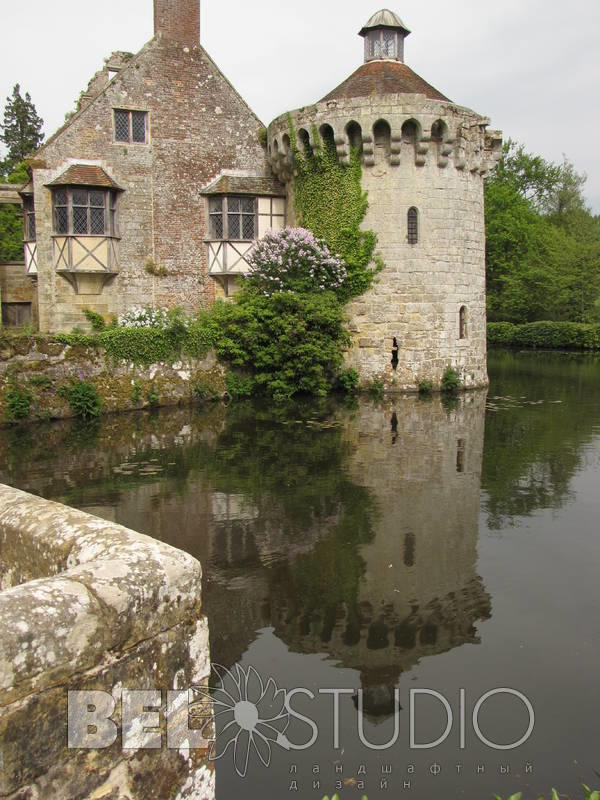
[[234, 184], [377, 78], [85, 175]]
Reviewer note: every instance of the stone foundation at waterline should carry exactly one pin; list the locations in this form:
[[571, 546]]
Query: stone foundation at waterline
[[42, 366], [88, 605]]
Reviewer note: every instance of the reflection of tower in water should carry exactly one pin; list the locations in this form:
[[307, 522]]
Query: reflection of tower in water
[[419, 593]]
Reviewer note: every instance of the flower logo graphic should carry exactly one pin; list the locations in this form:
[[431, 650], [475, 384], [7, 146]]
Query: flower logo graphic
[[250, 716]]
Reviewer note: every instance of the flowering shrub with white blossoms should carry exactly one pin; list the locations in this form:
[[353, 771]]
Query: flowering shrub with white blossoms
[[139, 317], [293, 259]]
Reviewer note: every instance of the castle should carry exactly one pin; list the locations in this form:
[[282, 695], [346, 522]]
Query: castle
[[153, 192]]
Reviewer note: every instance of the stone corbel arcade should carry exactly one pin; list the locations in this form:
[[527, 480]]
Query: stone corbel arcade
[[467, 143]]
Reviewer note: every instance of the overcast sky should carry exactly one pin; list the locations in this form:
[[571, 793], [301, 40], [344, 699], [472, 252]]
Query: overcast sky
[[533, 66]]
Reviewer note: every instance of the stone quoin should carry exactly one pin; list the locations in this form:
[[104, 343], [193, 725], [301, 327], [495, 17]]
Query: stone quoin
[[155, 189]]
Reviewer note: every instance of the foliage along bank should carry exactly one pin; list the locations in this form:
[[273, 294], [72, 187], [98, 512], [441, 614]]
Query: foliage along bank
[[114, 369], [545, 335]]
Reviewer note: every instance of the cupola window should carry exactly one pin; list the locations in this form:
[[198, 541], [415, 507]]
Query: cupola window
[[384, 36]]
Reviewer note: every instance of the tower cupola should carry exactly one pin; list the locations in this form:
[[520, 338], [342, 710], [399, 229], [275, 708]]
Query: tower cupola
[[384, 36]]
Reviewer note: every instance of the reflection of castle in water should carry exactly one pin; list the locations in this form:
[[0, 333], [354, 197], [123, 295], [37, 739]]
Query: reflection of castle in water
[[355, 537], [416, 591], [420, 594]]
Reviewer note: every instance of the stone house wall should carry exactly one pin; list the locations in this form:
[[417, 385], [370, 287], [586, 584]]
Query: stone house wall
[[198, 127], [17, 288]]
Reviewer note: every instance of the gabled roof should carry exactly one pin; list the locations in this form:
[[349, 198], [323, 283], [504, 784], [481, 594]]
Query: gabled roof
[[85, 175], [377, 78], [128, 66], [243, 184], [384, 19]]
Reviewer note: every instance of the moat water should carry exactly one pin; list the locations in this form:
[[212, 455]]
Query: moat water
[[405, 544]]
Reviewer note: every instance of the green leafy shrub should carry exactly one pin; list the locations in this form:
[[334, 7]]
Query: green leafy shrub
[[139, 346], [545, 335], [425, 388], [136, 394], [153, 398], [83, 398], [18, 403], [347, 381], [290, 344], [201, 336], [202, 391], [450, 381], [239, 386], [96, 320], [375, 389], [41, 381]]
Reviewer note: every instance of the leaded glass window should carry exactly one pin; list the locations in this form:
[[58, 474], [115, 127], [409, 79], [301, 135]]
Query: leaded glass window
[[383, 43], [29, 214], [232, 218], [61, 211], [122, 126], [83, 212], [131, 126], [389, 44], [216, 227], [138, 126]]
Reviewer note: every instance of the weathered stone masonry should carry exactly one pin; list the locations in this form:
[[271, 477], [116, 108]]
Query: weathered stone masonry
[[88, 605], [421, 154], [194, 185], [197, 127]]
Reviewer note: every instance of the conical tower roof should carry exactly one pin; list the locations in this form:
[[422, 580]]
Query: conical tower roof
[[379, 78]]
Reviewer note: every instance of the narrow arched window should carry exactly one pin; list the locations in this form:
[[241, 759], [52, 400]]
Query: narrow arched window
[[413, 226], [463, 323]]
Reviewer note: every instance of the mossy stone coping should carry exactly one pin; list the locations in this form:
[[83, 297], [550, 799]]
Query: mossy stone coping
[[75, 587]]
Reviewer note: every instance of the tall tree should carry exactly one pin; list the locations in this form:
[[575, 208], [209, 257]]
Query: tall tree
[[543, 244], [21, 130]]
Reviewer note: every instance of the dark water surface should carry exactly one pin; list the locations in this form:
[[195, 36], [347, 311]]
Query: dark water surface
[[401, 544]]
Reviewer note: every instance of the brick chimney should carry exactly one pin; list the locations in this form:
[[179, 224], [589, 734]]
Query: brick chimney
[[178, 20]]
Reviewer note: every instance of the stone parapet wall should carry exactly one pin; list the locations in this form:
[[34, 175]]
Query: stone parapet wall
[[89, 605], [42, 366]]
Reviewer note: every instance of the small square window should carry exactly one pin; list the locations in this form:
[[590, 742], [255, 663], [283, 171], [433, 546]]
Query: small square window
[[131, 126]]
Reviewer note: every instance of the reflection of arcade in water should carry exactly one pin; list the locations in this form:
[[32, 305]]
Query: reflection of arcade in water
[[389, 576]]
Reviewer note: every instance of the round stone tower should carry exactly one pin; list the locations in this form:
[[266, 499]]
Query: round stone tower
[[424, 160]]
